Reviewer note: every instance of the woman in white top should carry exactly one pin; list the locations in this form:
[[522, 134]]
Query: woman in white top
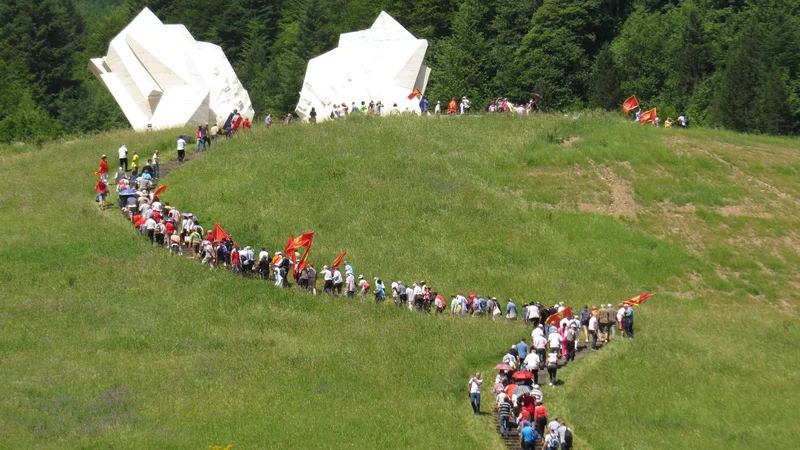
[[593, 331]]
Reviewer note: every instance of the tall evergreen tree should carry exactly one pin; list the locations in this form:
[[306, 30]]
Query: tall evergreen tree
[[461, 58], [554, 52], [606, 82], [736, 106]]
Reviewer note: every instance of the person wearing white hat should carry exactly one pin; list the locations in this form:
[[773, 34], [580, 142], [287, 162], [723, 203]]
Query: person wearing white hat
[[364, 286]]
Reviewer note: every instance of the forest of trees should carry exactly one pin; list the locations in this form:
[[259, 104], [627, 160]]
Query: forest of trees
[[731, 63]]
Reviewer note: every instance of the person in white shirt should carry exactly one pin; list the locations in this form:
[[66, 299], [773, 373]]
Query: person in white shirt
[[156, 171], [593, 331], [123, 157], [338, 281], [438, 108], [620, 315], [554, 341], [561, 307], [474, 388], [150, 226], [540, 344], [181, 145], [263, 254], [419, 293], [532, 364], [537, 331], [327, 275]]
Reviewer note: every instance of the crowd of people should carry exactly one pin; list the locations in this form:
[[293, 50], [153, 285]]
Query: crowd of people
[[517, 391], [554, 340]]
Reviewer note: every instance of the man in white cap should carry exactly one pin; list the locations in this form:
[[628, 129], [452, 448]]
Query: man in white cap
[[327, 276]]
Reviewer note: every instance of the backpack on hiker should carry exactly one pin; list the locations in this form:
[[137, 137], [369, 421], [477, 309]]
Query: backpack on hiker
[[568, 437]]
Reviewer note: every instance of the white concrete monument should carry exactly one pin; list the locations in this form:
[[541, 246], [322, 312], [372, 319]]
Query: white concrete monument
[[162, 77], [381, 63]]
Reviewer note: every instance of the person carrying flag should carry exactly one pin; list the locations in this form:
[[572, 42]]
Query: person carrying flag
[[103, 171]]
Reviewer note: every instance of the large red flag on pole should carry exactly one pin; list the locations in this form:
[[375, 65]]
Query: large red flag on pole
[[567, 312], [637, 300], [218, 234], [630, 104], [338, 261], [414, 93], [648, 116]]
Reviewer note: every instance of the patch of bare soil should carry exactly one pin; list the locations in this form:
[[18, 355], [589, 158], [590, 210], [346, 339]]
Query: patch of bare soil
[[623, 202], [745, 209], [569, 142]]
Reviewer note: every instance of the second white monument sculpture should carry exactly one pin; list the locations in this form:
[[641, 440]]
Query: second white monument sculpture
[[162, 77], [382, 63]]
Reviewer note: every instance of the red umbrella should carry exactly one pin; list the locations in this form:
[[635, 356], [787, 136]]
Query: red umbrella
[[502, 367], [522, 375]]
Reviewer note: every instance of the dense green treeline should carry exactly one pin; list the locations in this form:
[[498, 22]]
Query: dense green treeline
[[732, 63]]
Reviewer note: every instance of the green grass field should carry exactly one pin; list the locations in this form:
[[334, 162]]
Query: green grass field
[[108, 342]]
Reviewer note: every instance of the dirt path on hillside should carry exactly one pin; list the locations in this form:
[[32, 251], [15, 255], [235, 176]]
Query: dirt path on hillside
[[623, 202]]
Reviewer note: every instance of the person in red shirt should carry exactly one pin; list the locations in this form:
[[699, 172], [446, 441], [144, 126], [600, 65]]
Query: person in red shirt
[[170, 228], [102, 191], [540, 418], [236, 263], [103, 172], [246, 124]]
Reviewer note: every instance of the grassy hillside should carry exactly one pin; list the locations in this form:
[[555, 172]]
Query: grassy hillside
[[110, 343]]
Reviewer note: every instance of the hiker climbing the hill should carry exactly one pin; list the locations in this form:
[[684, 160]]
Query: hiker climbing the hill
[[350, 283], [602, 320], [511, 310], [585, 314], [504, 409], [551, 440], [565, 436], [571, 336], [612, 321], [627, 321], [380, 290], [123, 157], [593, 330], [528, 437], [552, 367], [103, 171], [102, 192], [474, 389], [181, 145], [327, 276], [338, 282], [312, 278], [363, 286]]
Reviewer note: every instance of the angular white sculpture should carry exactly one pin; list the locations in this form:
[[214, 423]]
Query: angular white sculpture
[[382, 63], [162, 77]]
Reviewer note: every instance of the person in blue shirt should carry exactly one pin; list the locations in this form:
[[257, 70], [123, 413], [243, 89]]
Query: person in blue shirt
[[348, 268], [527, 437], [380, 290], [511, 310], [522, 349], [423, 105], [627, 321]]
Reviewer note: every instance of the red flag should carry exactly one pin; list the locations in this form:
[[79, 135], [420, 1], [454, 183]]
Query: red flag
[[160, 190], [630, 103], [338, 261], [218, 234], [304, 240], [567, 312], [414, 93], [637, 300], [289, 245], [304, 259], [648, 116]]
